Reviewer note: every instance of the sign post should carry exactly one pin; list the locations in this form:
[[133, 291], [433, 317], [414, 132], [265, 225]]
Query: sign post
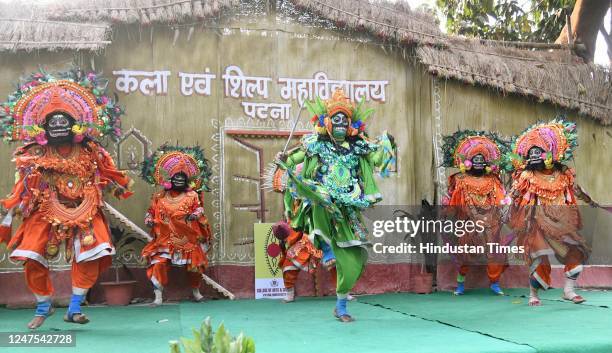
[[268, 275]]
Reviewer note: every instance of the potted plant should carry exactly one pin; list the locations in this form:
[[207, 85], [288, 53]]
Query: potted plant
[[119, 292], [206, 340], [423, 282]]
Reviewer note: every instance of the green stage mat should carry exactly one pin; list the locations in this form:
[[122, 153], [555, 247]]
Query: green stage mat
[[477, 322], [600, 298], [557, 326]]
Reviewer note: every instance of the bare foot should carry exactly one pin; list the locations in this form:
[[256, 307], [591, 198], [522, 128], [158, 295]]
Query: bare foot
[[576, 299], [200, 299], [37, 321], [330, 264], [343, 318], [77, 318], [534, 301], [346, 318]]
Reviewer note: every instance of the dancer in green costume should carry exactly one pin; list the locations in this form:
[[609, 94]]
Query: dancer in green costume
[[330, 180]]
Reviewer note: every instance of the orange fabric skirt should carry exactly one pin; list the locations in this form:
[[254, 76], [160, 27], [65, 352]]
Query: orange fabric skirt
[[35, 239], [181, 251]]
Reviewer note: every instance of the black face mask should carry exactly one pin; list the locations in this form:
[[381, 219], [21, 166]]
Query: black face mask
[[58, 128], [535, 158], [179, 182], [478, 165]]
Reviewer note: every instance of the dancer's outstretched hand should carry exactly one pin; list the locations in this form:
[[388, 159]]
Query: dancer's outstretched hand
[[192, 217], [280, 157]]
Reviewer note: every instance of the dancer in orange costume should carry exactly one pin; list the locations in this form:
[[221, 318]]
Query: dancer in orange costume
[[176, 217], [475, 193], [544, 211], [298, 254], [62, 173]]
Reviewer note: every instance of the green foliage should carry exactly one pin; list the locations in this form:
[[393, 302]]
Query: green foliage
[[317, 107], [511, 20], [206, 341], [361, 114]]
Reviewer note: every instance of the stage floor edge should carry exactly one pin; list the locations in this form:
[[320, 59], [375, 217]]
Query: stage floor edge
[[398, 322]]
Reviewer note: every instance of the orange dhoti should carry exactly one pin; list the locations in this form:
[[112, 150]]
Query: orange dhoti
[[571, 251], [36, 243], [547, 221], [478, 198], [300, 255], [177, 241], [496, 263], [494, 271], [158, 273], [59, 198]]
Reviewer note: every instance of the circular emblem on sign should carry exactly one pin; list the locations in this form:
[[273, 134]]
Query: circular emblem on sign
[[272, 251]]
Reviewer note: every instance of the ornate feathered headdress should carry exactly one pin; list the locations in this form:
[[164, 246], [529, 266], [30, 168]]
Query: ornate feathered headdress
[[460, 147], [168, 160], [557, 138], [82, 96], [324, 110]]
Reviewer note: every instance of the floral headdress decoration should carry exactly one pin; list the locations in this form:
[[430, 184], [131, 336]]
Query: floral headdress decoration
[[557, 138], [460, 147], [323, 110], [168, 160], [82, 96]]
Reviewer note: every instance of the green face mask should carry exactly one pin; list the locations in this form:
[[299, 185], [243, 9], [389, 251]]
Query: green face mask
[[339, 126]]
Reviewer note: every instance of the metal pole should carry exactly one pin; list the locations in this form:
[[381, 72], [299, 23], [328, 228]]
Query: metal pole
[[297, 119]]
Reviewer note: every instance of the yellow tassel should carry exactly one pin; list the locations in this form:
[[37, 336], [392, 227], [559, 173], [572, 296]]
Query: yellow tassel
[[548, 163], [88, 240], [52, 249], [78, 130], [35, 130]]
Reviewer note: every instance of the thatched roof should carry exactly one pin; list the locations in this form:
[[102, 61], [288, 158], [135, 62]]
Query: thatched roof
[[557, 75], [20, 34]]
